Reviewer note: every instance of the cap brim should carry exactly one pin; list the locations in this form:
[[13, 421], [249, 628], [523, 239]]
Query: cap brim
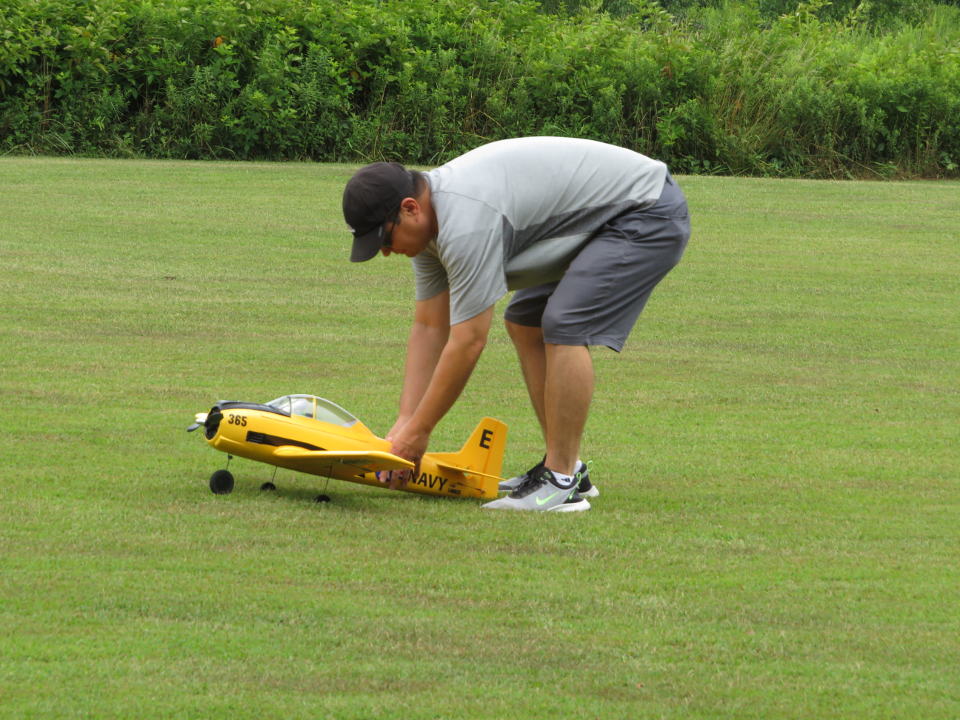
[[366, 246]]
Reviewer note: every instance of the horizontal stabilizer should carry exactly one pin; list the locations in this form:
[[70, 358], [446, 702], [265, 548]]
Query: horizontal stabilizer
[[469, 471]]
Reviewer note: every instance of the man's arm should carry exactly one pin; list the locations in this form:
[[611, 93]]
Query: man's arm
[[429, 334], [449, 376]]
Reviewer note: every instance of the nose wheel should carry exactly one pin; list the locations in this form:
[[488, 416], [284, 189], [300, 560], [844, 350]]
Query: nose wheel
[[221, 482]]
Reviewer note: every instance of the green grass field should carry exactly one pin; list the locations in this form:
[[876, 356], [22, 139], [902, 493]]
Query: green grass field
[[778, 534]]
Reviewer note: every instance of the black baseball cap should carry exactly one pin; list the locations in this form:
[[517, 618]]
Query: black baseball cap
[[372, 196]]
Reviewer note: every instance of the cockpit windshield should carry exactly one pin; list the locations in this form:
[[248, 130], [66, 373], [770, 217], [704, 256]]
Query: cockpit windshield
[[312, 406]]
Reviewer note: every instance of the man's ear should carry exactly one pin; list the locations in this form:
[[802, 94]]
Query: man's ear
[[410, 206]]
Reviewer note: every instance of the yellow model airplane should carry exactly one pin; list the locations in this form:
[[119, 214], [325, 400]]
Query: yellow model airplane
[[308, 434]]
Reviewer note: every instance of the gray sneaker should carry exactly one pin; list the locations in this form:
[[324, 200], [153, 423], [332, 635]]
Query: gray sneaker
[[539, 492], [585, 488]]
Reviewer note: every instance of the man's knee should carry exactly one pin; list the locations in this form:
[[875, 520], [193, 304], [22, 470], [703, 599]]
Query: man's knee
[[523, 334]]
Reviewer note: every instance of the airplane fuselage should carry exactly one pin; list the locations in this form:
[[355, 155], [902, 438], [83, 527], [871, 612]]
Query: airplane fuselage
[[351, 451]]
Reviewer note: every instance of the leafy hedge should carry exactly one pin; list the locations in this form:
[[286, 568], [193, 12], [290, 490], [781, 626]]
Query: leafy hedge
[[724, 89], [877, 13]]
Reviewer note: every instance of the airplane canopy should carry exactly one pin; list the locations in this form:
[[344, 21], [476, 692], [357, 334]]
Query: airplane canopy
[[312, 406]]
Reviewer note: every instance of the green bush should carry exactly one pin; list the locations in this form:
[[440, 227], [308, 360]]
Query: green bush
[[811, 97], [715, 87], [877, 13]]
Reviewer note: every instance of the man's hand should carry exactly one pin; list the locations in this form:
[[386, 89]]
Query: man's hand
[[409, 444]]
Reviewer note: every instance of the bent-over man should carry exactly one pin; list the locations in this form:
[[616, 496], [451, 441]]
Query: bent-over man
[[582, 230]]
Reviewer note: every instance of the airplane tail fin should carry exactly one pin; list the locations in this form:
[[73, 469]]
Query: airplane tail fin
[[482, 452]]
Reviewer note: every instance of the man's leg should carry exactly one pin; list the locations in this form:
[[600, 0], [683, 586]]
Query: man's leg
[[533, 362], [560, 383], [568, 390], [559, 380]]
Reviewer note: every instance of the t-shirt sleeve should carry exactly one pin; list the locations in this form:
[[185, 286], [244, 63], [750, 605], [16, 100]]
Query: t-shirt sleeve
[[467, 259]]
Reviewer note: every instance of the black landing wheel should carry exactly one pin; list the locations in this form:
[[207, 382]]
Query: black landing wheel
[[221, 482]]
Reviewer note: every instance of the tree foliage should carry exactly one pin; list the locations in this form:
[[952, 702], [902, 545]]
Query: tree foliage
[[758, 87]]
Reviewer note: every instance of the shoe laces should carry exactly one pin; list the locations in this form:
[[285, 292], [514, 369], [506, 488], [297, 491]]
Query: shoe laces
[[535, 470], [531, 484]]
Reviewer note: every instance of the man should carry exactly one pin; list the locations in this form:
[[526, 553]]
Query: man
[[583, 230]]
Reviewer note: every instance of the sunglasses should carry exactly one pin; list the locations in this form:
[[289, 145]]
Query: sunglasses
[[387, 237]]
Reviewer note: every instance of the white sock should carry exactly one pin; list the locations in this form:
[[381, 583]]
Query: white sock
[[566, 480]]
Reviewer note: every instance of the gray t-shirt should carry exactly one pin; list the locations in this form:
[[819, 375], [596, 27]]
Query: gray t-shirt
[[514, 213]]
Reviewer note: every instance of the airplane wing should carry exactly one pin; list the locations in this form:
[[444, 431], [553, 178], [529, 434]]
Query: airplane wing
[[366, 461]]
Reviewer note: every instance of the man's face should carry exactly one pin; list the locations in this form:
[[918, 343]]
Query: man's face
[[409, 233]]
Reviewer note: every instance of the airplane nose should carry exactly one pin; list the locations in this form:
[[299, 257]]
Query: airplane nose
[[212, 423]]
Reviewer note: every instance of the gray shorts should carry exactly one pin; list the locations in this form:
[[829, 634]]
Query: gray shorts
[[601, 295]]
